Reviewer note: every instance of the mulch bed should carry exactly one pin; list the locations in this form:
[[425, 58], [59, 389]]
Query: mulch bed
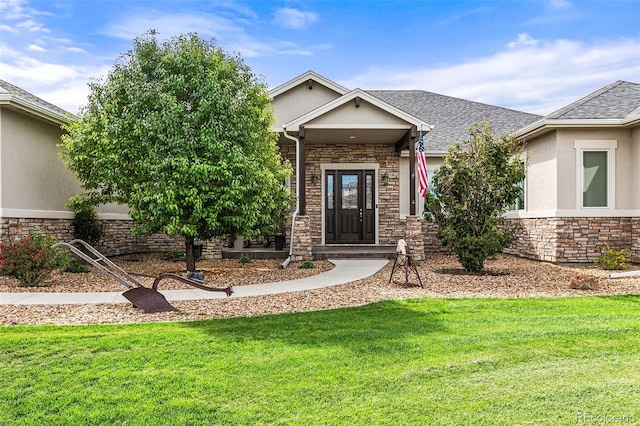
[[506, 276]]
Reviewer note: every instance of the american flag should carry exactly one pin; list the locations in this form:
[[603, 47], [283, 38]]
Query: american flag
[[423, 177]]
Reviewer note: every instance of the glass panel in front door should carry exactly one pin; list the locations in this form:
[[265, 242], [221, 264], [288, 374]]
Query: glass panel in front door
[[349, 196]]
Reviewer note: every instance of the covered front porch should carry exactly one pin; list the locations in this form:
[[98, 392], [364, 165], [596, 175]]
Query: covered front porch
[[354, 167]]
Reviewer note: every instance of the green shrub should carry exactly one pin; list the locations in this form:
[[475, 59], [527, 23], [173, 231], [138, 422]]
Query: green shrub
[[307, 264], [31, 259], [614, 259], [244, 259], [87, 226]]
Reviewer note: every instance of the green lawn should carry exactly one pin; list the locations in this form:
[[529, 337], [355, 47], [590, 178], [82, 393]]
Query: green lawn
[[424, 361]]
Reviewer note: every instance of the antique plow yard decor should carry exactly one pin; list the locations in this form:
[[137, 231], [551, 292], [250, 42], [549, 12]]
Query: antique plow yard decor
[[148, 299]]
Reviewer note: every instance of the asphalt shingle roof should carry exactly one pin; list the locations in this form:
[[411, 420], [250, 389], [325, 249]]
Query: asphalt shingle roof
[[616, 100], [15, 91], [451, 116]]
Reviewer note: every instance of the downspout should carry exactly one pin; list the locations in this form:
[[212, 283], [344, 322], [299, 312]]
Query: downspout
[[295, 213]]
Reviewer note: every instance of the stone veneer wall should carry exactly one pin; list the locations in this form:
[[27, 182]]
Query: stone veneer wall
[[635, 238], [415, 235], [429, 233], [117, 236], [575, 240], [302, 243], [389, 226]]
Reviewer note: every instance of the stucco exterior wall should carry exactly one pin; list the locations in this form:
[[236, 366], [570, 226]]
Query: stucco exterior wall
[[554, 177], [569, 176], [298, 101], [366, 114], [33, 177], [542, 174], [634, 159], [35, 182]]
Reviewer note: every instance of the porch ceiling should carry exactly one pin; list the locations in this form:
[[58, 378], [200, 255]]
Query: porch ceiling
[[352, 136]]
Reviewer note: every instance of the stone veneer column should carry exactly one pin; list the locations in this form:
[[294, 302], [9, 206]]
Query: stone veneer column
[[301, 241], [414, 235], [212, 249]]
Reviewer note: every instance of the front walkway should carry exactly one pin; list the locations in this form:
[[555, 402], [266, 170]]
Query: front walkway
[[346, 270]]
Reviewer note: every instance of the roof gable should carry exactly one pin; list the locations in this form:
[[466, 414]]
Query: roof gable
[[615, 105], [328, 112], [309, 78], [300, 96], [615, 101]]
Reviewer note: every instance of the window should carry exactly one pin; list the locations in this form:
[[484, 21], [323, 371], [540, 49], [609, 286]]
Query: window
[[596, 180], [519, 204]]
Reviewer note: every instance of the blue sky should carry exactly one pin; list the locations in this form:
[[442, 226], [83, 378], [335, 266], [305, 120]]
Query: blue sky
[[535, 56]]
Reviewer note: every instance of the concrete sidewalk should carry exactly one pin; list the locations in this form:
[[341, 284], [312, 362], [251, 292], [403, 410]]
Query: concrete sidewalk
[[346, 270]]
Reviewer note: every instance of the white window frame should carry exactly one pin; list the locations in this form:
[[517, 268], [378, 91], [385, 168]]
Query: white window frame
[[608, 146]]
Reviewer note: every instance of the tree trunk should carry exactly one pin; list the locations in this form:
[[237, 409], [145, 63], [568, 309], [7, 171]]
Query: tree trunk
[[191, 260]]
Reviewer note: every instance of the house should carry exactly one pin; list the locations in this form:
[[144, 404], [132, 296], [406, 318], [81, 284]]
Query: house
[[353, 161], [351, 151], [35, 184], [582, 190]]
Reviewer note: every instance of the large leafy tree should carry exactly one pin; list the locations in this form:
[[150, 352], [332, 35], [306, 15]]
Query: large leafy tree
[[180, 132], [479, 180]]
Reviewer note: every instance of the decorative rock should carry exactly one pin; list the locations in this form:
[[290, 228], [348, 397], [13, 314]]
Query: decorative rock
[[583, 282]]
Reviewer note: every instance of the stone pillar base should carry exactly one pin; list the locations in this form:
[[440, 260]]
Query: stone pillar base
[[414, 236], [212, 249], [301, 242]]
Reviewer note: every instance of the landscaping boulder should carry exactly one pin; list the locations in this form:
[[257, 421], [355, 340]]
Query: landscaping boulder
[[583, 282]]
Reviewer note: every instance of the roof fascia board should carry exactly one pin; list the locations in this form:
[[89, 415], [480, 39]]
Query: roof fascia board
[[355, 126], [305, 77], [35, 109], [293, 125], [552, 123]]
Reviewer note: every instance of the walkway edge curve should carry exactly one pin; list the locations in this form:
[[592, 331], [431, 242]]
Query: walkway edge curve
[[345, 271]]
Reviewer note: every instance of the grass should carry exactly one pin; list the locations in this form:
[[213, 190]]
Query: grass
[[546, 361]]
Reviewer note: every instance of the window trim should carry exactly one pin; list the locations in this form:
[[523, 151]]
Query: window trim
[[608, 146]]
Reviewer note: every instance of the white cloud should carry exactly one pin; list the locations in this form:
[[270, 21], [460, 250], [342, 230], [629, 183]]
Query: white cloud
[[7, 28], [536, 79], [64, 85], [36, 48], [524, 39], [75, 50], [560, 4], [31, 25], [293, 18], [168, 25]]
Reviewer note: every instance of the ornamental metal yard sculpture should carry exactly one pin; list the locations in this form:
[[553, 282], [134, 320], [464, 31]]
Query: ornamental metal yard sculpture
[[148, 299]]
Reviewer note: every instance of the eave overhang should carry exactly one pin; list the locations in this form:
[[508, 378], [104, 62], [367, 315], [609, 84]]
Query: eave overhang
[[547, 124], [20, 104]]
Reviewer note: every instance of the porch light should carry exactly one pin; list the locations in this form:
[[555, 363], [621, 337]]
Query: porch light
[[385, 179], [314, 179]]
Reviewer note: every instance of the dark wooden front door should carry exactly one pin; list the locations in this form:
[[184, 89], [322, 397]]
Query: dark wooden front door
[[349, 206]]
